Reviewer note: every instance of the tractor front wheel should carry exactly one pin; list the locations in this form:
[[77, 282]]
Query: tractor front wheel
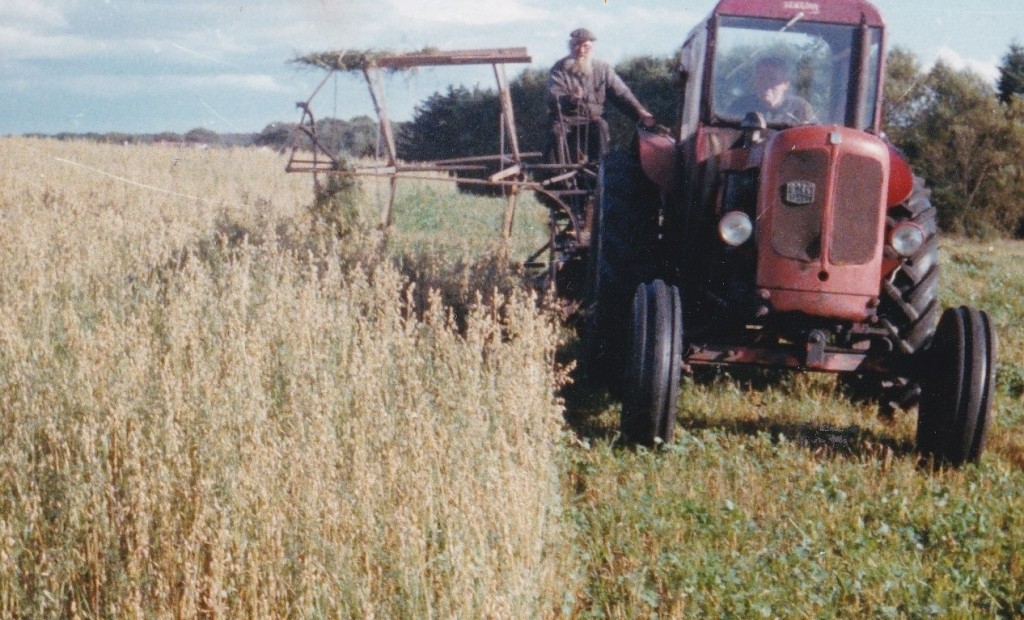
[[956, 398], [652, 373]]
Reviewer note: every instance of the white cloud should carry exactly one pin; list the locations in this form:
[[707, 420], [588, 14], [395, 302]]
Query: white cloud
[[26, 45], [466, 12], [202, 56], [988, 69], [21, 44], [113, 86], [31, 12], [251, 82]]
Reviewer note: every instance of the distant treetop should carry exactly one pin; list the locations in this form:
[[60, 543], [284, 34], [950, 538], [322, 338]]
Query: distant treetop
[[1011, 73]]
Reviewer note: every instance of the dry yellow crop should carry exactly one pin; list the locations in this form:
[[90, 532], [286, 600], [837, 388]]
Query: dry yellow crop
[[199, 415]]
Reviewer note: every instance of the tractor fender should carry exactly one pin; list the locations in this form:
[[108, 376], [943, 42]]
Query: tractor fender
[[901, 178], [657, 157]]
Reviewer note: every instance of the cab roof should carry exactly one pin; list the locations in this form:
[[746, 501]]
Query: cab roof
[[834, 11]]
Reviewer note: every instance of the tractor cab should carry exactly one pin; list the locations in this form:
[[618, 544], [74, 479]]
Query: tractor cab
[[826, 55], [777, 154], [831, 69]]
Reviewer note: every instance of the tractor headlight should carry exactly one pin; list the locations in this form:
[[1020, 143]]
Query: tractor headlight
[[906, 238], [735, 228]]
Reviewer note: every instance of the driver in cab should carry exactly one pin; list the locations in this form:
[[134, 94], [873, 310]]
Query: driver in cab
[[771, 96]]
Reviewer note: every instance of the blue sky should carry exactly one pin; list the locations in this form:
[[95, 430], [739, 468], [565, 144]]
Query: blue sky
[[156, 65]]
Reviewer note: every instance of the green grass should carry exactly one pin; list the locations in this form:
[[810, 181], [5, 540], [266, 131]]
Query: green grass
[[754, 524], [433, 217], [791, 501], [781, 497]]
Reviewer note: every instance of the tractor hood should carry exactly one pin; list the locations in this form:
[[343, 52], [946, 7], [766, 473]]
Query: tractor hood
[[821, 221]]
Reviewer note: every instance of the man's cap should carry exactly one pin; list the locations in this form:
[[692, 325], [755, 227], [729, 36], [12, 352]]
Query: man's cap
[[582, 34]]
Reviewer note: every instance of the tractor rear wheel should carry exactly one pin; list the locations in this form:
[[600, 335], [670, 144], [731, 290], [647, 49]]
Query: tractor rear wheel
[[956, 399], [908, 307], [909, 303], [623, 247], [652, 375]]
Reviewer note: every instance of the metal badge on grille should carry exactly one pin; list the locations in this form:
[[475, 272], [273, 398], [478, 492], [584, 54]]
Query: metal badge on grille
[[799, 192]]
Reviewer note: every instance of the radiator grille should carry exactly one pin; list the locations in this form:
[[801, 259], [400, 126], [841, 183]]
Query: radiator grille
[[855, 218], [796, 229]]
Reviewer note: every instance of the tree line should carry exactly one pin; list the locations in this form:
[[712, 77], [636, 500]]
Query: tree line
[[356, 137], [965, 136]]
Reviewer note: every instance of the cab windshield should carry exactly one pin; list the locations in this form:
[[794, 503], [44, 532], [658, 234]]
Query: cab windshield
[[793, 73]]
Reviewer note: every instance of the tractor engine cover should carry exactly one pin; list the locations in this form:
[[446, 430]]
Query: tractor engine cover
[[821, 221]]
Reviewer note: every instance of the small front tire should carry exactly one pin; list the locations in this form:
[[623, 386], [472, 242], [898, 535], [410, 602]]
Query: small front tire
[[652, 373], [957, 388]]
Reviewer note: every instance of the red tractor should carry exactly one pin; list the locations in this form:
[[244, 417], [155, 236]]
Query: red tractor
[[773, 225]]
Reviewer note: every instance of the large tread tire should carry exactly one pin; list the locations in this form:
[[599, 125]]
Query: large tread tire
[[652, 377], [909, 303], [623, 251], [908, 308], [957, 388]]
